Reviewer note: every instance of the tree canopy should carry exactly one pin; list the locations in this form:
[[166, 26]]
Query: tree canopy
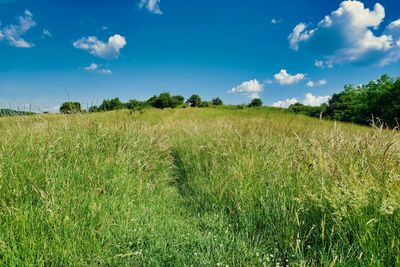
[[194, 101], [70, 107], [256, 102], [365, 104], [217, 101]]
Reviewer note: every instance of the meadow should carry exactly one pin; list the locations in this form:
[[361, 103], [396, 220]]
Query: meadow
[[197, 187]]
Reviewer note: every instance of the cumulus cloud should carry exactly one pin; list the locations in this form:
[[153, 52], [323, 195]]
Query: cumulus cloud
[[346, 36], [13, 33], [298, 35], [98, 48], [251, 88], [309, 100], [96, 68], [312, 84], [285, 103], [312, 100], [151, 5], [284, 78], [92, 67], [394, 25]]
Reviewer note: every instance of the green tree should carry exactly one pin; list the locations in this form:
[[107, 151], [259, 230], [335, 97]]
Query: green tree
[[378, 99], [256, 102], [204, 104], [194, 101], [136, 105], [308, 110], [178, 100], [111, 104], [217, 101], [94, 109], [165, 100], [70, 107]]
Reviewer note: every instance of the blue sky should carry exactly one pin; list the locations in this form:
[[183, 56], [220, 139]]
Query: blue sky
[[55, 51]]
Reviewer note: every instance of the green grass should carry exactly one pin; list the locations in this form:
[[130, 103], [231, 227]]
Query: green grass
[[197, 187]]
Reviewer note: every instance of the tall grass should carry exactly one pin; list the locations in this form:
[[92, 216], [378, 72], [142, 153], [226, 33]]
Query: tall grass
[[210, 187]]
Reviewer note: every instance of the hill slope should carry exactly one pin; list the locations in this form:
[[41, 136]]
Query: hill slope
[[202, 187]]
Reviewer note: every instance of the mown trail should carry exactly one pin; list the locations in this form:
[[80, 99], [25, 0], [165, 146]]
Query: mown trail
[[209, 187]]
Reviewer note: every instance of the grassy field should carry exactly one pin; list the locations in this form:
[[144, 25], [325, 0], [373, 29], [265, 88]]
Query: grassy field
[[197, 187]]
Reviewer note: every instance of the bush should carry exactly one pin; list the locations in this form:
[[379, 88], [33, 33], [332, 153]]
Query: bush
[[94, 109], [360, 104], [111, 104], [204, 104], [165, 100], [136, 105], [217, 101], [256, 102], [308, 110], [70, 108], [194, 101]]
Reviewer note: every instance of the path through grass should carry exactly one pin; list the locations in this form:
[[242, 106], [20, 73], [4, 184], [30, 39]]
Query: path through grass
[[209, 187]]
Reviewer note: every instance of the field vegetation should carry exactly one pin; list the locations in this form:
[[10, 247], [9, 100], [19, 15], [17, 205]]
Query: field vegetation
[[378, 100], [197, 187]]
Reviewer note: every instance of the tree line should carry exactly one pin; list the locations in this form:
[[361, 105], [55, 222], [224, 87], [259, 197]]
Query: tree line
[[378, 100], [365, 104], [10, 112], [162, 101]]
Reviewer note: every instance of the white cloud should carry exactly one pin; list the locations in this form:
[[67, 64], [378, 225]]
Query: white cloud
[[312, 84], [105, 71], [251, 88], [276, 21], [13, 33], [312, 100], [346, 36], [393, 30], [108, 50], [285, 103], [284, 78], [298, 35], [323, 64], [151, 5], [96, 68], [309, 100], [394, 25], [46, 33], [92, 67]]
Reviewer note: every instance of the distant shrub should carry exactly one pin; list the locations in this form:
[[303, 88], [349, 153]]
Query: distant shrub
[[111, 104], [308, 110], [194, 101], [136, 105], [94, 109], [377, 100], [217, 101], [204, 104], [165, 100], [256, 102], [10, 112], [70, 108]]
